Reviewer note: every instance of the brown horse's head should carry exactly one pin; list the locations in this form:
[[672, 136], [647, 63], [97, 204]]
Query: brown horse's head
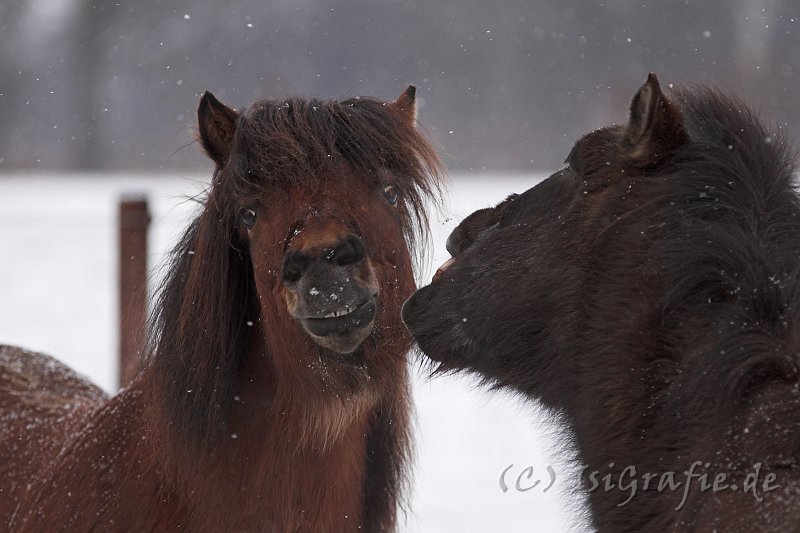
[[338, 246], [279, 319], [323, 199], [288, 284]]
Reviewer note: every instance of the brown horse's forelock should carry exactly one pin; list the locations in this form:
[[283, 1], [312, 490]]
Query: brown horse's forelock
[[198, 326], [305, 142]]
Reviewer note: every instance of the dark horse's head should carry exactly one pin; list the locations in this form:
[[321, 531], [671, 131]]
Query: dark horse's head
[[295, 270], [650, 292], [525, 270], [516, 267]]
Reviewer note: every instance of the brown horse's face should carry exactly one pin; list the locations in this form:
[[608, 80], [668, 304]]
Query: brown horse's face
[[322, 196], [326, 257]]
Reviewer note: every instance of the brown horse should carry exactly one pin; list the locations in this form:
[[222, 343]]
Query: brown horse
[[649, 293], [274, 396]]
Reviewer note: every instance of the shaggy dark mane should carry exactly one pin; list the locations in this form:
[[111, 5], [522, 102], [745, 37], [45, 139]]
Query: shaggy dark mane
[[189, 323], [716, 227], [732, 188]]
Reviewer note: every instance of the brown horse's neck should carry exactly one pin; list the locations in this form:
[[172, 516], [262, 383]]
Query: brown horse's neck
[[292, 452], [302, 395]]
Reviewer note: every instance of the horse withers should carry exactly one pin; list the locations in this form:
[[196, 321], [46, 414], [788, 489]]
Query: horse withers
[[274, 394], [648, 293]]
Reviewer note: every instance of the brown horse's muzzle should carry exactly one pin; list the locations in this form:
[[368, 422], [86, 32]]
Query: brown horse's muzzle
[[330, 287]]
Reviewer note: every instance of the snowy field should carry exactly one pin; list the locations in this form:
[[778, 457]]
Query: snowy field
[[58, 264]]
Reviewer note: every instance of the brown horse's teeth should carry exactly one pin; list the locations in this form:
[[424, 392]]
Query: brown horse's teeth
[[337, 314]]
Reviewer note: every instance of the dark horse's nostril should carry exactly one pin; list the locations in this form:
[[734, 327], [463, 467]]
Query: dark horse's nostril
[[348, 251], [294, 266]]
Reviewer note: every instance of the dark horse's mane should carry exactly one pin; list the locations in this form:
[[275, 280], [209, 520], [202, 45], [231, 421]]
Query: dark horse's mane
[[198, 335], [715, 223], [732, 188], [746, 275]]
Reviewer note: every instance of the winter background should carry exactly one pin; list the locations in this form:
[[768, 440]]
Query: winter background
[[59, 295], [98, 98]]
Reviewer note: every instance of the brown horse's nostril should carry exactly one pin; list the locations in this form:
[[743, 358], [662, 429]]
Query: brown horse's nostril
[[294, 266], [348, 251]]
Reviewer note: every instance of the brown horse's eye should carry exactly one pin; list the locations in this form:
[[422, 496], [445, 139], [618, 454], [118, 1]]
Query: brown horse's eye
[[247, 216], [391, 193]]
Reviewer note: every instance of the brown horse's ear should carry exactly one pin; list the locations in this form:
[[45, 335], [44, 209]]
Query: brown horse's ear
[[655, 127], [406, 103], [217, 124]]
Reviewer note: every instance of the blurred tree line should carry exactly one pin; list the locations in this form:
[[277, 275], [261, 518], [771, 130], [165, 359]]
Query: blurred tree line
[[503, 86]]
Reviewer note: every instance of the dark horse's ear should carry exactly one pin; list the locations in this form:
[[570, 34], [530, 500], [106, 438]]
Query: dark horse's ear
[[217, 124], [406, 103], [655, 127]]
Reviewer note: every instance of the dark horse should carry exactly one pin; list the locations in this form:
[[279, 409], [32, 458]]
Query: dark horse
[[648, 293], [274, 396]]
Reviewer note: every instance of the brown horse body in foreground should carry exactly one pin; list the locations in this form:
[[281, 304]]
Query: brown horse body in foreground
[[274, 396], [649, 294]]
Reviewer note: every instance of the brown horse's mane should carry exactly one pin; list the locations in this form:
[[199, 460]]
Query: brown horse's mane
[[198, 335], [298, 141]]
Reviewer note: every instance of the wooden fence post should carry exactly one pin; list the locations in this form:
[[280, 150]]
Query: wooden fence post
[[134, 220]]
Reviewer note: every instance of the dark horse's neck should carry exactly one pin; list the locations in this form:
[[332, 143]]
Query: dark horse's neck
[[654, 432]]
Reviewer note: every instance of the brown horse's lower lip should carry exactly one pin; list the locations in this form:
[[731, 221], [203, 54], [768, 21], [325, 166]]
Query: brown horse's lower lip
[[362, 316]]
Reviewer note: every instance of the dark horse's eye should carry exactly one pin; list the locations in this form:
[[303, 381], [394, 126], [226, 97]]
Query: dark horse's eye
[[391, 194], [247, 216]]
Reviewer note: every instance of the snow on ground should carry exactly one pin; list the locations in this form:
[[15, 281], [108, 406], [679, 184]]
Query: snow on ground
[[58, 264]]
